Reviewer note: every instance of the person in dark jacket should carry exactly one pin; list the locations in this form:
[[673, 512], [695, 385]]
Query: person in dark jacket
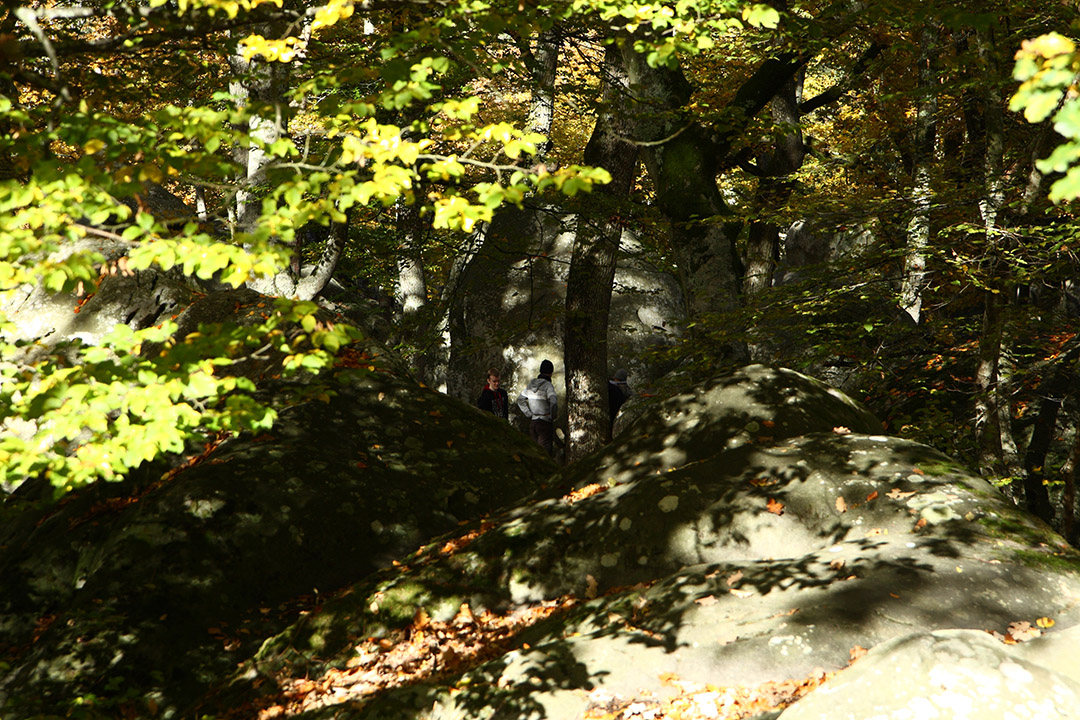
[[539, 403], [493, 398], [618, 392]]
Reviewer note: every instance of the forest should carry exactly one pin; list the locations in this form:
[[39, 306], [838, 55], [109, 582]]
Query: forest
[[878, 195]]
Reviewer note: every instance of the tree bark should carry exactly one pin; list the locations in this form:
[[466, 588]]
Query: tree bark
[[682, 163], [592, 269], [763, 243], [262, 85], [543, 62], [1052, 392], [991, 405], [918, 230]]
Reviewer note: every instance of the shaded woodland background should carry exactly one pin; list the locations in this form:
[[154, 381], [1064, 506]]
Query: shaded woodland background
[[838, 188], [253, 254]]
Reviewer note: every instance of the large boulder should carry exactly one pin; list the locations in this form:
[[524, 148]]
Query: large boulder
[[130, 598], [955, 674], [769, 558], [756, 403]]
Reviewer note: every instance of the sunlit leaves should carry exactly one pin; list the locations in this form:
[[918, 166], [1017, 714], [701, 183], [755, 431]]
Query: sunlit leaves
[[272, 50], [331, 13], [1047, 69], [118, 406]]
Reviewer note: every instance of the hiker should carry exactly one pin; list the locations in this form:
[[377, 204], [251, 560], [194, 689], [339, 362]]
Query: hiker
[[493, 398], [618, 392], [539, 403]]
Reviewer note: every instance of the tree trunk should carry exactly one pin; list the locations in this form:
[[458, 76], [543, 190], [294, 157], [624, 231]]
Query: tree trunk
[[261, 84], [592, 270], [922, 192], [763, 243], [411, 296], [681, 161], [1051, 393], [1068, 500], [543, 62], [991, 406]]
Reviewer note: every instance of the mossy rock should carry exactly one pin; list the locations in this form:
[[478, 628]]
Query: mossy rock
[[163, 589]]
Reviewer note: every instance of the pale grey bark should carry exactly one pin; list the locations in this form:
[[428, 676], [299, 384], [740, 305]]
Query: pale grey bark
[[922, 193], [262, 83], [997, 453], [543, 65]]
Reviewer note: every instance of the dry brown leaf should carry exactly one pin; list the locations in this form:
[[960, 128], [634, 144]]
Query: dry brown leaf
[[1022, 631], [706, 601], [921, 524], [584, 492], [775, 506], [464, 616], [734, 577], [668, 678], [841, 504], [841, 430], [872, 496], [856, 652], [898, 494], [837, 564]]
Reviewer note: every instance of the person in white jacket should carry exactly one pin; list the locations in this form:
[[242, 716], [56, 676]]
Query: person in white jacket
[[539, 403]]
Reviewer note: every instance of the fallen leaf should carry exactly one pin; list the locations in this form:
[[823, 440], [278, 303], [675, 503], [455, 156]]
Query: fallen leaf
[[871, 496], [898, 494], [921, 524], [856, 652], [1023, 631], [875, 532], [706, 601], [841, 504], [774, 506], [734, 577], [837, 564], [590, 587], [841, 430], [464, 616], [1045, 622], [763, 482], [668, 678]]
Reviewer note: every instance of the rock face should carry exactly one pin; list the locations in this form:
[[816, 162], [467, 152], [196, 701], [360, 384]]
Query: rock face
[[142, 585], [955, 674], [696, 547], [767, 559], [136, 299], [509, 310]]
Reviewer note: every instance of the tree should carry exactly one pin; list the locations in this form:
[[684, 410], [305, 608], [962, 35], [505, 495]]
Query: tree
[[76, 156]]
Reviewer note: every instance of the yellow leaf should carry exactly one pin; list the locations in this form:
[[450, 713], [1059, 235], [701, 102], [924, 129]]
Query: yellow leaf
[[1045, 622], [95, 145]]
